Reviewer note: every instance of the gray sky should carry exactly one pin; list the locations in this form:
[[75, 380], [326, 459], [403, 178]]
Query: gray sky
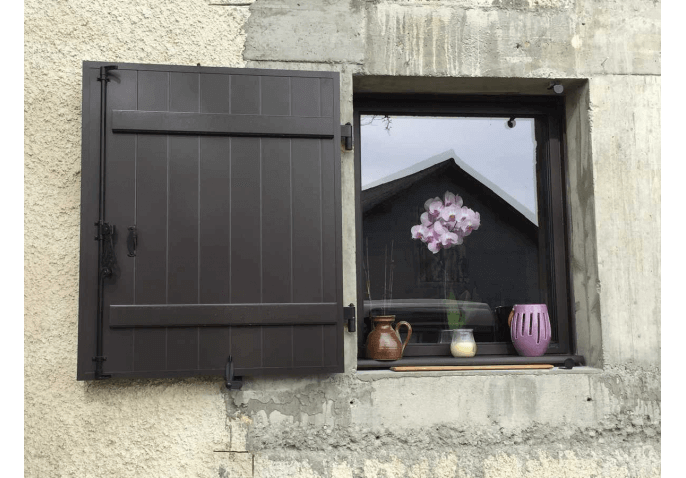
[[504, 155]]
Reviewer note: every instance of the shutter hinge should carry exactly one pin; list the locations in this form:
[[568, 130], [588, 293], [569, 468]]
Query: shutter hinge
[[104, 70], [347, 136], [232, 383], [349, 317], [98, 374]]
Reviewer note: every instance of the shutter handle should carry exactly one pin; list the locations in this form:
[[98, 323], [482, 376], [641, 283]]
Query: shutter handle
[[132, 241]]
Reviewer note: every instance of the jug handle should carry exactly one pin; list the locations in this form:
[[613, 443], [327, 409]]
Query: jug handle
[[409, 332]]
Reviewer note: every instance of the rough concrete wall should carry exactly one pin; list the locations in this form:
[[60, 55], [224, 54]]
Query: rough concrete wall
[[604, 422], [626, 163], [600, 422]]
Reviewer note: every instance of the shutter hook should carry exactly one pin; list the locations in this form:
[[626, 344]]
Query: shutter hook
[[232, 383]]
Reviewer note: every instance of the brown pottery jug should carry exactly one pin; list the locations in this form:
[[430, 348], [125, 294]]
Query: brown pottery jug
[[383, 343]]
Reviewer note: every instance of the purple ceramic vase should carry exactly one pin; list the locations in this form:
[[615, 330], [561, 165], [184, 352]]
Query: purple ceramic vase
[[530, 329]]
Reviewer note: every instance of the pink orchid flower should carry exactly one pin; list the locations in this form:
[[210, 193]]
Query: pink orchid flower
[[449, 239], [450, 213], [439, 228], [421, 232], [445, 223], [434, 246], [471, 222], [435, 209], [452, 199], [428, 202]]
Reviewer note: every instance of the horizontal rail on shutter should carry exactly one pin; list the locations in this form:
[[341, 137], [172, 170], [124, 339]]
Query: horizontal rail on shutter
[[191, 315], [166, 122]]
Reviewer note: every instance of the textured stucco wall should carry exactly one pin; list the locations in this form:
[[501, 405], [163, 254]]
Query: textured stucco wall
[[603, 421], [75, 428]]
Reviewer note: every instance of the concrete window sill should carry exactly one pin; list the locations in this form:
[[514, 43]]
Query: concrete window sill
[[370, 375]]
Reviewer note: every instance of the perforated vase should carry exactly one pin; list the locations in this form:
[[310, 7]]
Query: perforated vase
[[530, 329]]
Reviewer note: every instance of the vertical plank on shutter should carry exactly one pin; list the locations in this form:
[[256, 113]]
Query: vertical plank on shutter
[[151, 212], [329, 221], [307, 346], [245, 94], [276, 221], [214, 220], [214, 94], [277, 346], [90, 173], [214, 347], [275, 92], [183, 220], [182, 348], [153, 90], [305, 96], [307, 278], [151, 194], [327, 101], [120, 195], [245, 220], [330, 343], [150, 349], [246, 344], [183, 92]]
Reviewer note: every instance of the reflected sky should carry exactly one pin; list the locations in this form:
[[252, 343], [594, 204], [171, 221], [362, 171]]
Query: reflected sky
[[503, 155]]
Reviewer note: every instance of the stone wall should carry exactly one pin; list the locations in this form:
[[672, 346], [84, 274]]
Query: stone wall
[[602, 420]]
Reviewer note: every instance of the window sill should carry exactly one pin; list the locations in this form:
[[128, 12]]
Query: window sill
[[372, 375], [553, 359]]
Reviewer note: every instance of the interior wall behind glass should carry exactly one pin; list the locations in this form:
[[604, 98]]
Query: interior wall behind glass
[[492, 167]]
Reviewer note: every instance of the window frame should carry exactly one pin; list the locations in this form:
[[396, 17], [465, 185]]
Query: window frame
[[549, 114]]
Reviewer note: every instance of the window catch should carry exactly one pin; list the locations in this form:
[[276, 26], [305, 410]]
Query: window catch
[[347, 136], [568, 364], [556, 87], [232, 383], [349, 316]]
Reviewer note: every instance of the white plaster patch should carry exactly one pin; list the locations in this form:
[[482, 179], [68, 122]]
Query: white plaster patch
[[576, 41], [393, 468], [341, 470]]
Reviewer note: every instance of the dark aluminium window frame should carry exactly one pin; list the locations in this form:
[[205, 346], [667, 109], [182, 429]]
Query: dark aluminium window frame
[[549, 114]]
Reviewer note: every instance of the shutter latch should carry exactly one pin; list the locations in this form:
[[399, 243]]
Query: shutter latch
[[349, 316], [107, 259], [347, 136], [232, 383]]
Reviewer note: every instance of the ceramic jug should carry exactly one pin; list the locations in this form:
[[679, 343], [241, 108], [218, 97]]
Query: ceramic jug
[[383, 343]]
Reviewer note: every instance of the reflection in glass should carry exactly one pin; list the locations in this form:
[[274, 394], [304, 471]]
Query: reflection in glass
[[492, 168]]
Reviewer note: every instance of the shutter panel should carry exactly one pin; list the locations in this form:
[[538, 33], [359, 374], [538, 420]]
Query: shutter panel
[[231, 178]]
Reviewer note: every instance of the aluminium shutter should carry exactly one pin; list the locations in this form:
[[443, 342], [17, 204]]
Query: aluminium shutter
[[231, 178]]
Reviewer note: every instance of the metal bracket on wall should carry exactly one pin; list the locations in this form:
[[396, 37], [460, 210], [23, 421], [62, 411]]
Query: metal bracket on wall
[[232, 383], [349, 317], [347, 136]]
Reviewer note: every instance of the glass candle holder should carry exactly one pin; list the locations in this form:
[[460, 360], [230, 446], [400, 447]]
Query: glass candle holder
[[463, 343]]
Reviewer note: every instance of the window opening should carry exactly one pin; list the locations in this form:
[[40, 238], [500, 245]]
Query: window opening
[[494, 173]]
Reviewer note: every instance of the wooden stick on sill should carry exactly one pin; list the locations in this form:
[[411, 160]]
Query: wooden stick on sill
[[437, 368]]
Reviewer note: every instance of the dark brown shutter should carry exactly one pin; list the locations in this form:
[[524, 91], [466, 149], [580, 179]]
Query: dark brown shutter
[[231, 178]]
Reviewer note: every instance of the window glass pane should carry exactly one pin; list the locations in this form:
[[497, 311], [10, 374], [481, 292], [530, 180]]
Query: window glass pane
[[467, 256]]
